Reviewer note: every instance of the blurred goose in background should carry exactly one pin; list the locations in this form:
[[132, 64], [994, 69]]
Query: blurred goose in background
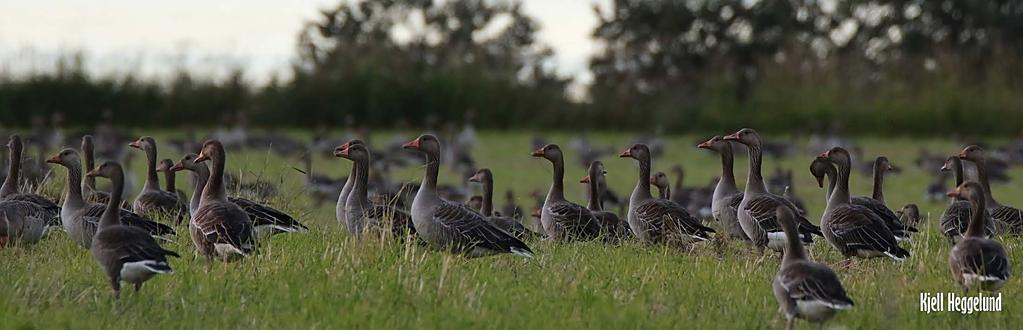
[[585, 151], [956, 217], [42, 206], [153, 201], [660, 181], [658, 220], [909, 214], [266, 220], [81, 218], [509, 224], [452, 226], [126, 253], [1007, 217], [563, 220], [511, 208], [977, 261], [805, 289], [726, 196]]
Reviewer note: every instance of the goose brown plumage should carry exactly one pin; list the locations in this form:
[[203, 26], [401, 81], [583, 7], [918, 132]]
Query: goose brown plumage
[[855, 230], [339, 210], [37, 205], [956, 217], [977, 261], [610, 223], [219, 228], [89, 190], [727, 196], [822, 168], [756, 212], [509, 224], [153, 201], [658, 220], [126, 253], [563, 220], [1004, 216], [805, 289], [362, 214], [451, 226]]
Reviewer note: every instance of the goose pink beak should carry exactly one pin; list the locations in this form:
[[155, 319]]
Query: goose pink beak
[[585, 179], [414, 144], [704, 145], [626, 153], [953, 192], [537, 153], [201, 158], [54, 160], [177, 166], [732, 137], [135, 144]]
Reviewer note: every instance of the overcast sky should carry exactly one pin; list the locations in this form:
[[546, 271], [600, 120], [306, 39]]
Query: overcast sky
[[209, 36]]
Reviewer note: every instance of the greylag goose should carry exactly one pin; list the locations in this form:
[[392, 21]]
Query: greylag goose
[[511, 225], [46, 209], [81, 218], [339, 210], [681, 193], [126, 253], [266, 220], [153, 201], [822, 168], [956, 216], [909, 215], [561, 219], [805, 289], [22, 222], [977, 261], [658, 220], [1003, 215], [756, 212], [511, 208], [660, 181], [89, 190], [363, 215], [452, 226], [609, 221], [170, 183], [219, 228], [855, 230], [727, 196]]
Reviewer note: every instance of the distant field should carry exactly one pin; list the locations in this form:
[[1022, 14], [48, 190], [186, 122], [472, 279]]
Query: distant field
[[325, 280]]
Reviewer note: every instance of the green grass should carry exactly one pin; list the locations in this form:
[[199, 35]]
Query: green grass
[[323, 279]]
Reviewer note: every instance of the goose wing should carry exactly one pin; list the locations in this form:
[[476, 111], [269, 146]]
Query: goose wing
[[578, 221], [263, 215], [92, 213], [1011, 217], [882, 211], [982, 257], [158, 200], [401, 221], [956, 218], [51, 210], [762, 210], [857, 228], [808, 281], [131, 244], [469, 229], [668, 218], [224, 223]]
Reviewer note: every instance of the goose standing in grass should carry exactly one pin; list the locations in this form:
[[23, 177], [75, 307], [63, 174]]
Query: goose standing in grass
[[822, 168], [126, 253], [453, 226], [609, 221], [89, 190], [805, 289], [727, 196], [511, 225], [977, 261], [266, 220], [956, 217], [855, 230], [563, 220], [219, 228], [81, 218], [362, 214], [21, 222], [339, 210], [153, 201], [43, 207], [655, 220], [756, 212], [1004, 216]]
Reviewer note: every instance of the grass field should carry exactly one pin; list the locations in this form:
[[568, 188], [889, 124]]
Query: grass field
[[323, 279]]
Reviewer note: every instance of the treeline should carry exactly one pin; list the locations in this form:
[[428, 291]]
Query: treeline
[[884, 66]]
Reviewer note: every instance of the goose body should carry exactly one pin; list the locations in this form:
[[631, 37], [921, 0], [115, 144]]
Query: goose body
[[505, 223], [361, 213], [655, 220], [452, 226], [153, 201], [978, 262], [727, 196], [219, 228], [22, 222], [125, 253], [822, 168], [563, 220], [33, 205], [611, 224], [1006, 218], [956, 217]]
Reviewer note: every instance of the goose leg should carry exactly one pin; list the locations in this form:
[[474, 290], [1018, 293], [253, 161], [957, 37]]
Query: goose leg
[[115, 284], [138, 286], [790, 324]]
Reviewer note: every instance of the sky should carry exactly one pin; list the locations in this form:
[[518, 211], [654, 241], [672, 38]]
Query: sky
[[157, 37]]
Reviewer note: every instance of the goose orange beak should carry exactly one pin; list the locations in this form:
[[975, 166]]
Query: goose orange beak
[[585, 179], [92, 173], [475, 178], [537, 153], [704, 145], [135, 144], [962, 154], [54, 160], [626, 153], [825, 155], [177, 167], [414, 144], [953, 192], [732, 137], [201, 158], [341, 151]]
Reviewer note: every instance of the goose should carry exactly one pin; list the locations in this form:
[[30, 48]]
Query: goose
[[977, 261], [125, 253], [855, 230], [219, 228], [609, 221], [511, 208], [89, 190], [756, 212], [153, 201], [909, 214], [805, 289], [681, 193], [452, 226], [660, 181], [45, 208], [822, 168], [563, 220], [80, 218], [727, 196], [339, 210], [170, 183], [361, 214], [22, 222], [511, 225], [266, 220], [956, 217], [657, 220], [1004, 216]]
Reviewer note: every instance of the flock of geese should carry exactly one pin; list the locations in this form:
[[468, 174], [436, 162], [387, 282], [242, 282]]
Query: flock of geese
[[126, 243]]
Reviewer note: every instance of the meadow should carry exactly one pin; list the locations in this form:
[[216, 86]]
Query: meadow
[[323, 279]]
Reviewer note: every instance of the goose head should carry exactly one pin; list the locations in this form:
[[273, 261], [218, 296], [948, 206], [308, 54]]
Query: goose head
[[972, 153], [165, 165], [884, 164], [638, 151], [210, 149], [67, 158], [482, 175], [659, 180], [838, 156], [551, 152], [820, 168], [426, 143], [14, 144], [186, 163], [968, 190], [746, 136], [716, 143], [949, 163], [594, 172], [109, 169], [146, 143], [353, 152], [339, 149]]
